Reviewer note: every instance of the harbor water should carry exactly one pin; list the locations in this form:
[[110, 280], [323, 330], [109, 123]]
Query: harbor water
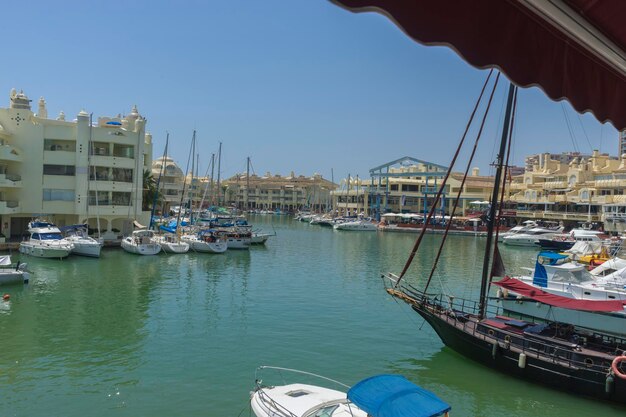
[[182, 335]]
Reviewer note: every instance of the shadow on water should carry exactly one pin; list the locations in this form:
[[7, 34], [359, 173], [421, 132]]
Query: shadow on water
[[475, 390]]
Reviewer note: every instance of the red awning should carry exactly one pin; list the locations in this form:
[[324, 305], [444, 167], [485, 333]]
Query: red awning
[[572, 49], [521, 288]]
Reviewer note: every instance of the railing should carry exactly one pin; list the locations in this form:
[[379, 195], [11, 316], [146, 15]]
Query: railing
[[463, 313]]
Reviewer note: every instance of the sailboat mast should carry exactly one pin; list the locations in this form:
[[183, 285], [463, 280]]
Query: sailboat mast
[[248, 185], [156, 194], [494, 200], [212, 173], [219, 165]]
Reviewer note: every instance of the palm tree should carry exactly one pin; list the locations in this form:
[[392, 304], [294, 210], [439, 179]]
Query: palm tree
[[149, 190]]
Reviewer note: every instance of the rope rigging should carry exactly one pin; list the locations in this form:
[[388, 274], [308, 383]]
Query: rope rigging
[[443, 184], [458, 196]]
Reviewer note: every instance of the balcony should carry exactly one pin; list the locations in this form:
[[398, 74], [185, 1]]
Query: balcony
[[9, 207], [551, 185], [9, 153], [10, 181]]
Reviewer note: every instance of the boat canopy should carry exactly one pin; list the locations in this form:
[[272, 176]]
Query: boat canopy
[[394, 396], [536, 294], [540, 276], [73, 227]]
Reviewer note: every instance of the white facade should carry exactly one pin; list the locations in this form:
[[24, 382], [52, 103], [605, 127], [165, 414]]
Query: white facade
[[170, 183], [70, 172]]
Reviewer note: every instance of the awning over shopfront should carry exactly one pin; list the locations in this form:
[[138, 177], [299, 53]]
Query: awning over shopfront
[[572, 49]]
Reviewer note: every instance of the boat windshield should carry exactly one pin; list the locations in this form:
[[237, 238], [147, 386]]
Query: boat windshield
[[47, 236]]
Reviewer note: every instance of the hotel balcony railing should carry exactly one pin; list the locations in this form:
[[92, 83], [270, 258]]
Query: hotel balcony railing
[[9, 206], [10, 180]]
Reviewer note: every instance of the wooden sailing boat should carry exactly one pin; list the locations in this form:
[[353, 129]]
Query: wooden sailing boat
[[553, 354]]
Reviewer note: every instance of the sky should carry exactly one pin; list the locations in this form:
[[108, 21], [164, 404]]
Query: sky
[[296, 85]]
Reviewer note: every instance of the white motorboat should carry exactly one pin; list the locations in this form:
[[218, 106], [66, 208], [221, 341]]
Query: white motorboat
[[259, 238], [357, 225], [531, 237], [171, 243], [524, 227], [236, 237], [205, 241], [141, 242], [12, 274], [553, 274], [46, 241], [377, 396], [84, 245]]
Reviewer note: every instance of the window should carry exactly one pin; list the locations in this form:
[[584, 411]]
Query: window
[[393, 187], [59, 145], [59, 170], [103, 198], [410, 187], [58, 195], [124, 151], [100, 149], [123, 174], [121, 199]]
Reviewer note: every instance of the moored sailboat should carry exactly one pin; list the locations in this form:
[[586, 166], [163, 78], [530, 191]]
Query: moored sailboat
[[555, 354]]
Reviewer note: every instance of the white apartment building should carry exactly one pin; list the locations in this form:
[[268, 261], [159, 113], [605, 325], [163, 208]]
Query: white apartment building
[[170, 182], [71, 171]]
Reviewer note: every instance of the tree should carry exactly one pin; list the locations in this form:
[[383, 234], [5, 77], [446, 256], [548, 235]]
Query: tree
[[149, 190]]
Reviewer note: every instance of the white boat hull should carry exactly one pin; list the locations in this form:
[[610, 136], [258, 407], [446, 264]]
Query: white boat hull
[[198, 245], [239, 242], [43, 250], [87, 249], [10, 277], [174, 247], [357, 226], [140, 249]]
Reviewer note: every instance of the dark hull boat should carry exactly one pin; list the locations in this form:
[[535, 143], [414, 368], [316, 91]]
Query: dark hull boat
[[554, 354], [574, 362], [554, 244]]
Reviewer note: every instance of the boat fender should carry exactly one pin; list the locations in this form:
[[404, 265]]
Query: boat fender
[[608, 384], [494, 349], [615, 367], [521, 361]]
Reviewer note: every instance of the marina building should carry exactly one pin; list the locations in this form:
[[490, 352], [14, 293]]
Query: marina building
[[587, 189], [170, 182], [409, 185], [71, 171], [275, 192]]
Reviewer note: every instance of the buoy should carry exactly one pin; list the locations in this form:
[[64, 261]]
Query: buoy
[[5, 297], [616, 369], [521, 362]]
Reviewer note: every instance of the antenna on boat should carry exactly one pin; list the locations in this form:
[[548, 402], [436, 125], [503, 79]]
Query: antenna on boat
[[491, 219]]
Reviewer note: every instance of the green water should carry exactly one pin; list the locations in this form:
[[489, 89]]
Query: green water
[[181, 335]]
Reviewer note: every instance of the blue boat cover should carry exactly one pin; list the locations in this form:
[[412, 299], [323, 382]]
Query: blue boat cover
[[395, 396], [540, 277]]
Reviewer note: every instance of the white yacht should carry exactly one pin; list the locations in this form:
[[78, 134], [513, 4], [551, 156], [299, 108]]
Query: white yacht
[[554, 274], [362, 225], [83, 244], [259, 238], [46, 241], [171, 243], [205, 241], [377, 396], [141, 242], [531, 237], [522, 228]]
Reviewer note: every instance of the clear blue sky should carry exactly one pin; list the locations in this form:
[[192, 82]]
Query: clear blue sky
[[296, 85]]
